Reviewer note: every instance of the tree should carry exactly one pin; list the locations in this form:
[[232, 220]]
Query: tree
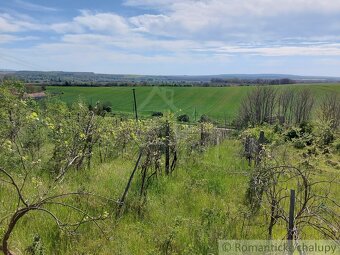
[[303, 105], [285, 102], [269, 190], [22, 131], [258, 106], [41, 203], [330, 110]]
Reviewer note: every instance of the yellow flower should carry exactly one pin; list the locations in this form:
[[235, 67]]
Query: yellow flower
[[8, 145], [105, 214], [33, 116]]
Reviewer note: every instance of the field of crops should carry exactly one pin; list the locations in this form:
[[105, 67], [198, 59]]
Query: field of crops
[[216, 102]]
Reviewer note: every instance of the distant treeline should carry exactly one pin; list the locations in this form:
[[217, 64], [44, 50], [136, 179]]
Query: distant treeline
[[88, 79], [253, 81], [212, 83]]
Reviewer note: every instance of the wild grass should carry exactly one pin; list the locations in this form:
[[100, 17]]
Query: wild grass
[[186, 213]]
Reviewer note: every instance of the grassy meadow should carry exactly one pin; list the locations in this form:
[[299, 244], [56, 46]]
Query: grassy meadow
[[186, 213], [51, 150], [216, 102]]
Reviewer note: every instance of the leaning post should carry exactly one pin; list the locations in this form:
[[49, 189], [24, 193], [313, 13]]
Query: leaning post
[[291, 222]]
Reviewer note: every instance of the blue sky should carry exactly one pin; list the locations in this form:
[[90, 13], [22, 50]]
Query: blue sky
[[172, 36]]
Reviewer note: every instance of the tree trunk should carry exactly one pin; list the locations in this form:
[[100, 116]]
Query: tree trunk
[[15, 218]]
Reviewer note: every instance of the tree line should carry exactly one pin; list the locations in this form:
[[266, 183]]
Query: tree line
[[286, 106]]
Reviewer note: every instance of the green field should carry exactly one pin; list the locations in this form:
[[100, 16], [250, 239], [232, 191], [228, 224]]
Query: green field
[[216, 102]]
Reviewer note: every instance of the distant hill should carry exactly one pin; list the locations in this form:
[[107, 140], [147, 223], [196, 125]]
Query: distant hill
[[95, 79]]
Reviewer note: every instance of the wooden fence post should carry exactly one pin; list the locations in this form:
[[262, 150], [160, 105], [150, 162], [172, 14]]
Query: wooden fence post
[[262, 138], [135, 103], [121, 201], [167, 147], [291, 222]]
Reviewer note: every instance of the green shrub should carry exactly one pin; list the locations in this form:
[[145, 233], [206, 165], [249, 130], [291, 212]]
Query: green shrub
[[183, 118], [299, 144], [269, 134], [308, 139], [157, 114], [306, 128], [291, 134], [37, 247], [327, 136], [205, 118], [278, 128], [337, 146]]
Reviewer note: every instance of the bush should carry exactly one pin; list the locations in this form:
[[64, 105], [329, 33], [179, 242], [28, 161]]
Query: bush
[[100, 109], [183, 118], [270, 135], [278, 128], [107, 107], [337, 146], [292, 134], [205, 118], [299, 144], [306, 128], [327, 136], [157, 114], [309, 141], [312, 151]]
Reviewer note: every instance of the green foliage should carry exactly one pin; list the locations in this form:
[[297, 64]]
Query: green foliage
[[37, 247], [299, 144], [183, 118], [337, 146], [306, 128], [278, 128], [327, 136], [157, 114], [292, 133], [270, 133], [301, 136], [205, 118]]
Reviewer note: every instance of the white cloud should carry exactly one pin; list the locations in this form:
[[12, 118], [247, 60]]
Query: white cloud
[[140, 44], [104, 22], [96, 22], [11, 24], [148, 22], [330, 49], [7, 26], [6, 38], [258, 7], [33, 7], [67, 27], [238, 20]]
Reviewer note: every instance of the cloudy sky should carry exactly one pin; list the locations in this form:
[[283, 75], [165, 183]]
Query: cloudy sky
[[172, 36]]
